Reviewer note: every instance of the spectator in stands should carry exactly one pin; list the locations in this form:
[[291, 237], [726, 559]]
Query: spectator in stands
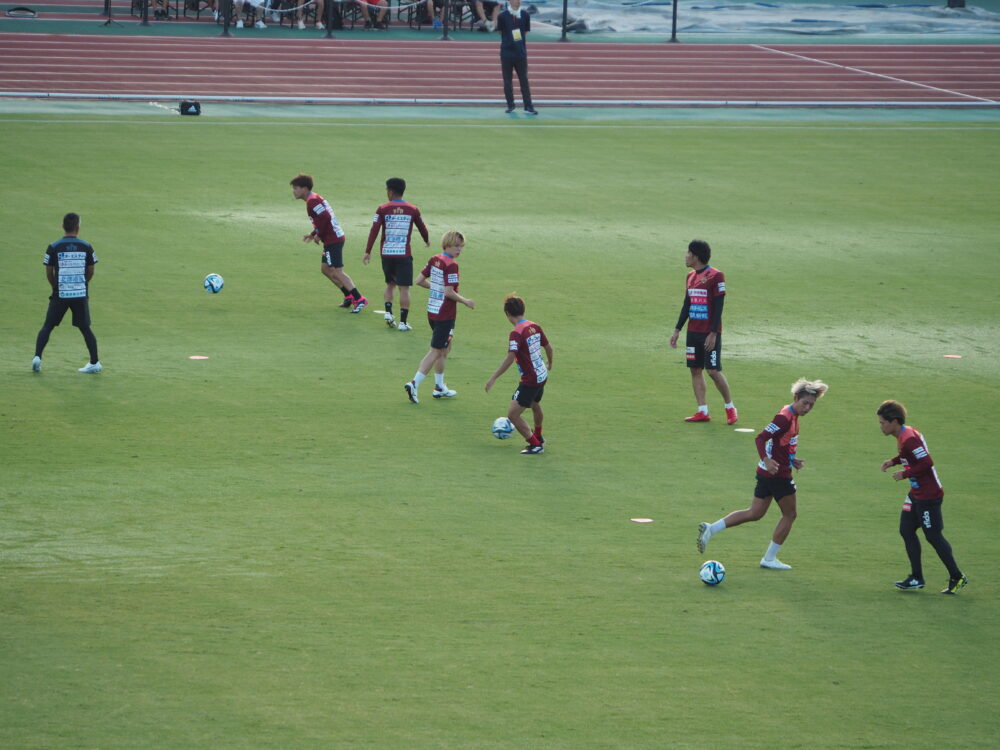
[[484, 7], [320, 10], [298, 13], [383, 8], [256, 9], [289, 8], [435, 13]]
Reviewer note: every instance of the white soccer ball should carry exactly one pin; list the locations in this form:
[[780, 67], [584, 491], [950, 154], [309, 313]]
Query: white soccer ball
[[712, 572], [213, 283], [502, 428]]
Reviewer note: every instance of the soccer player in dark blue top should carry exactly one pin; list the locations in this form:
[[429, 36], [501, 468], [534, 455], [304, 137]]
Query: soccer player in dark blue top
[[513, 23], [69, 267]]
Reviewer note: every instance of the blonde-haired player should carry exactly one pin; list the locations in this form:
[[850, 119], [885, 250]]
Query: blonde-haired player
[[440, 275], [777, 446]]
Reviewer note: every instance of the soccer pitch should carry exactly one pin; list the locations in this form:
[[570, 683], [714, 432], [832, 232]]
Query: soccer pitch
[[272, 548]]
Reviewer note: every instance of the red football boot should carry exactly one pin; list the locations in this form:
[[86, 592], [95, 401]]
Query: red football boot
[[731, 416], [698, 416]]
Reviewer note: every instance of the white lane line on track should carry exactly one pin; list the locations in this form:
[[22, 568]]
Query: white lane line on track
[[871, 73]]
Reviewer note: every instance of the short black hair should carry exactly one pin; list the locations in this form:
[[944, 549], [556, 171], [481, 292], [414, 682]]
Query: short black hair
[[513, 306], [700, 250], [71, 222], [396, 184], [302, 180], [892, 411]]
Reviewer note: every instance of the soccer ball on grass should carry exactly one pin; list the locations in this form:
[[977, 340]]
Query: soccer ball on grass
[[502, 428], [712, 572], [213, 283]]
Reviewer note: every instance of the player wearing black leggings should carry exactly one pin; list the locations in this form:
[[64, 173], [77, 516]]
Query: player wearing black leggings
[[69, 267], [922, 506]]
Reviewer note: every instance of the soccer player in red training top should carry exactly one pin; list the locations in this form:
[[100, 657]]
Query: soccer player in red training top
[[440, 275], [396, 220], [524, 346], [328, 232], [703, 300], [777, 446], [922, 506]]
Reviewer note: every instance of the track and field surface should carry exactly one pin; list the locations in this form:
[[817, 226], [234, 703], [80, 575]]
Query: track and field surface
[[415, 72]]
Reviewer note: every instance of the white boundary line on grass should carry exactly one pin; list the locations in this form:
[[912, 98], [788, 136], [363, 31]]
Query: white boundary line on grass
[[409, 101], [637, 125], [876, 75]]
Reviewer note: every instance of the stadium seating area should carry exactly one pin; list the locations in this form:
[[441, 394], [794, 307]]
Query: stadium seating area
[[344, 13]]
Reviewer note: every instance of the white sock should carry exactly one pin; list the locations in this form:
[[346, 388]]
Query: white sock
[[439, 380], [772, 551], [716, 527], [418, 378], [730, 405], [703, 409]]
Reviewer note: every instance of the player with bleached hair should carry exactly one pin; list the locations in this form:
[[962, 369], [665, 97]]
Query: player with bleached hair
[[777, 446], [440, 276]]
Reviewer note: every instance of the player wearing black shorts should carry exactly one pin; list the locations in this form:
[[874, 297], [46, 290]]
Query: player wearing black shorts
[[700, 356], [525, 345], [529, 395], [395, 221], [777, 446], [398, 273], [922, 507], [69, 267], [328, 233], [704, 297], [442, 332], [441, 277]]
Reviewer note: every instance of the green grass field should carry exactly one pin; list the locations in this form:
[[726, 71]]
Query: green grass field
[[274, 549]]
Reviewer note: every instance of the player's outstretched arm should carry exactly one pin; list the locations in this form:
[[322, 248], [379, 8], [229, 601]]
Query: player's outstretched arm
[[378, 227], [450, 293], [507, 362], [681, 320]]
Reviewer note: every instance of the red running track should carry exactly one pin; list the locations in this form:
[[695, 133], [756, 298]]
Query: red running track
[[387, 71]]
